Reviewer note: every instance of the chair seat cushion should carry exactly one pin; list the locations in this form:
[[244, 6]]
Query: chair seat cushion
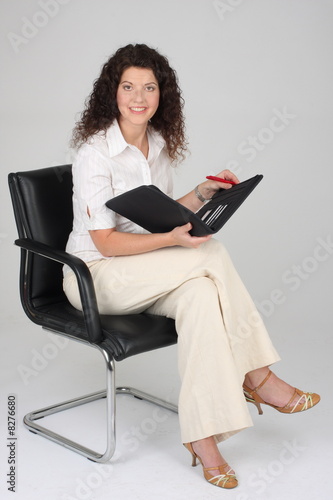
[[124, 335]]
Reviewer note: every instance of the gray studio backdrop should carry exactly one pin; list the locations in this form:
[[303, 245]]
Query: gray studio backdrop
[[257, 81]]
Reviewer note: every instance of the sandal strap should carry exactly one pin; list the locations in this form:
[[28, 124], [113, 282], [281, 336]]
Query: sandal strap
[[217, 467], [222, 478], [306, 396], [262, 383], [292, 399]]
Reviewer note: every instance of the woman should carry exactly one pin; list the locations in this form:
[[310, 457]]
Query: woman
[[130, 133]]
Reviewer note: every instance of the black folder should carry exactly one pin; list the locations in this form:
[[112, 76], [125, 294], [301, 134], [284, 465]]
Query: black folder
[[156, 212]]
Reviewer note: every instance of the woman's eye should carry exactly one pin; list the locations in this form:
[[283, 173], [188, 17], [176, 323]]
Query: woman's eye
[[127, 87], [150, 88]]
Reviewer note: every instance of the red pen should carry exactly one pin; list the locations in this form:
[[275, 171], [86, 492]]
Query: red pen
[[219, 179]]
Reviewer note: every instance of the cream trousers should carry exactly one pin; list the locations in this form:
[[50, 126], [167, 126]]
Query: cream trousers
[[221, 336]]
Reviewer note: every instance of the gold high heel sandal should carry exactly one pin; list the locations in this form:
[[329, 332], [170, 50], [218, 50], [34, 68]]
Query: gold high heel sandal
[[305, 401], [223, 480]]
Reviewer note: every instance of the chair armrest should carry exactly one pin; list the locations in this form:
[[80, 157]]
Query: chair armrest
[[84, 280]]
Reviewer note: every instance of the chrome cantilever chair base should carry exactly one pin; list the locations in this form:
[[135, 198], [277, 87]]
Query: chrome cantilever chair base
[[110, 395]]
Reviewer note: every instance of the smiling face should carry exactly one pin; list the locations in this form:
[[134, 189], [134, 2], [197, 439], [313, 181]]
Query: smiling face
[[137, 97]]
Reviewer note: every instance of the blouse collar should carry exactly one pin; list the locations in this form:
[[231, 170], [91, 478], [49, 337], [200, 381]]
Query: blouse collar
[[117, 144]]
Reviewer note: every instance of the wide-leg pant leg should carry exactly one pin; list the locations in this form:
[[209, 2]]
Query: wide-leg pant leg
[[211, 401], [227, 335]]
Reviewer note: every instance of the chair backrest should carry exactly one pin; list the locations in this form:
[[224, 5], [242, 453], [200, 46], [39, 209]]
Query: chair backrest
[[42, 202]]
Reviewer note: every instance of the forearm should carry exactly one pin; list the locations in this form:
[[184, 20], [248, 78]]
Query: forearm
[[117, 243], [191, 201], [111, 243]]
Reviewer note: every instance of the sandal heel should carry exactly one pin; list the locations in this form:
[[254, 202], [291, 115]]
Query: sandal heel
[[258, 405], [253, 401]]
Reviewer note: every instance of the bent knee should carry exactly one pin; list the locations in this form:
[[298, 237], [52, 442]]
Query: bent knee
[[200, 290]]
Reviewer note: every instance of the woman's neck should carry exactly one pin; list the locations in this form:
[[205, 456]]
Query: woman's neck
[[136, 136]]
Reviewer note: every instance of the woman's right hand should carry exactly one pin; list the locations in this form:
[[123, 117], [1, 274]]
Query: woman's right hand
[[180, 236]]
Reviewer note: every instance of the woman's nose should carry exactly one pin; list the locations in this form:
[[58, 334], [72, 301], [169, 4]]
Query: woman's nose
[[138, 96]]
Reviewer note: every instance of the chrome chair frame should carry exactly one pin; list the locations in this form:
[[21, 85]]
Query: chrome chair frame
[[110, 395]]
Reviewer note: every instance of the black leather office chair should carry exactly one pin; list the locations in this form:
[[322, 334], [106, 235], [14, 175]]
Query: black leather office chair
[[42, 202]]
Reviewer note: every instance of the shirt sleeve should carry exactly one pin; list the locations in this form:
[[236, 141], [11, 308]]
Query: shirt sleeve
[[93, 188]]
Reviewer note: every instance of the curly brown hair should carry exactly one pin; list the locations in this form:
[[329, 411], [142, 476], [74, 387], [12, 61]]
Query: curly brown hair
[[101, 107]]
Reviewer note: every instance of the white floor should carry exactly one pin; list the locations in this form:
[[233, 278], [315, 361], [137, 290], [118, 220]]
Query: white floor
[[281, 457]]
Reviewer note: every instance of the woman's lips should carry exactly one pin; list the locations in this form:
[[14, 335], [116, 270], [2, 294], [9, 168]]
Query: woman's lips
[[138, 109]]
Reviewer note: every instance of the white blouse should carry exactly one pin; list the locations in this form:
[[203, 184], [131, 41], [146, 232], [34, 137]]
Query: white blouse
[[107, 166]]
